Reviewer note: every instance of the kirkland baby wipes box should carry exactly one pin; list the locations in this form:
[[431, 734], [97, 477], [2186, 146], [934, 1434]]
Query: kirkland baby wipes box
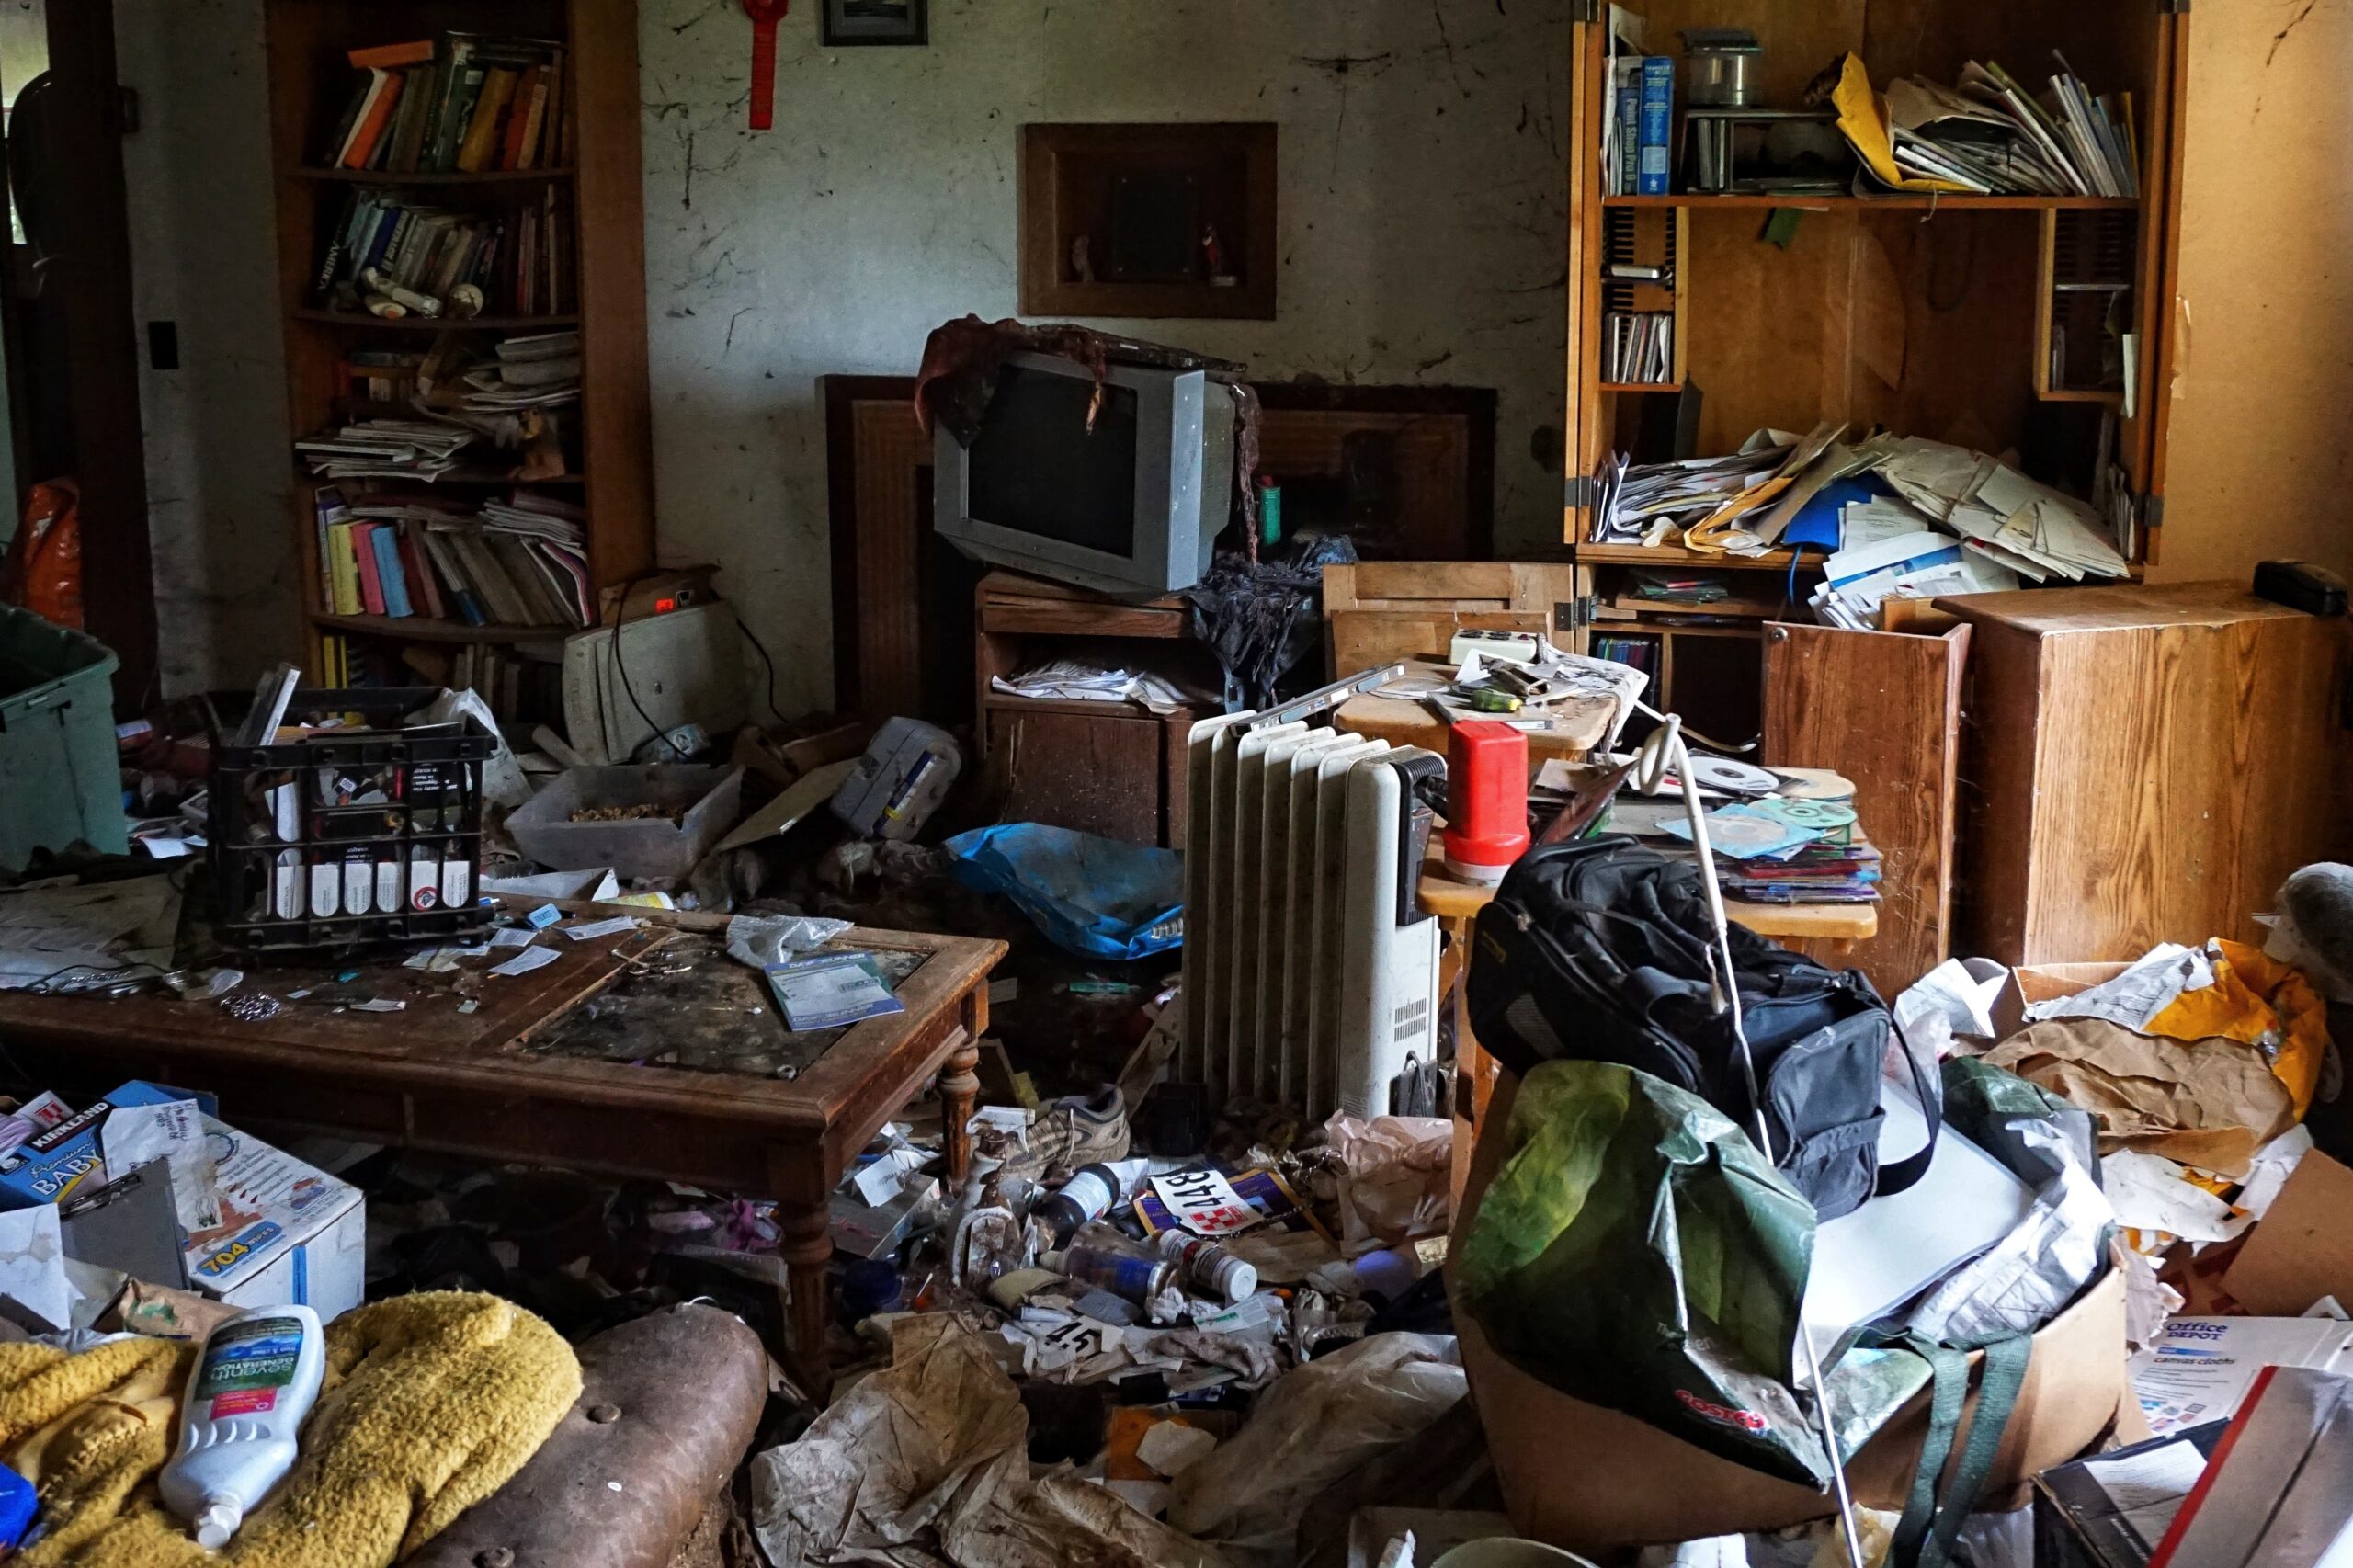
[[271, 1231]]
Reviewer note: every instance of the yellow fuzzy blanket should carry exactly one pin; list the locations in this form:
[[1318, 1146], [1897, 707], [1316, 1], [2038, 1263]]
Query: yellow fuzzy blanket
[[431, 1404]]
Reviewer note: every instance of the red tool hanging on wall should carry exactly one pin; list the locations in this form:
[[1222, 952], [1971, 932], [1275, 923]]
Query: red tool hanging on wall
[[765, 15]]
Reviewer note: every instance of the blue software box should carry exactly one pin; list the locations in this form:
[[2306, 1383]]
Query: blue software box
[[1654, 126], [67, 1158]]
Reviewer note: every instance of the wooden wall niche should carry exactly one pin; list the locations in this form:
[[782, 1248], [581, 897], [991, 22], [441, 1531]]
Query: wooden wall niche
[[1117, 220]]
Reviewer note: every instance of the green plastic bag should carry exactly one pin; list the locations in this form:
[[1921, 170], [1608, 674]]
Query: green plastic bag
[[1635, 1251]]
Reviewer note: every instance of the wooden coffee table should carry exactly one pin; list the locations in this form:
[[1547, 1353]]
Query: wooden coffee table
[[605, 1061]]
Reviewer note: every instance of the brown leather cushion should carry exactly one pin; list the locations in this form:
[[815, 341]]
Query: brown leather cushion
[[680, 1393]]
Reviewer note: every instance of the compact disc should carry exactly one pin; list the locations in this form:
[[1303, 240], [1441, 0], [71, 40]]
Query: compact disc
[[1814, 784], [1729, 833], [1813, 813], [1738, 777]]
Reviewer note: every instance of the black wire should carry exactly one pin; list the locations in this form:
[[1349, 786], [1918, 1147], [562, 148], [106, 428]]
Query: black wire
[[757, 646], [621, 670], [760, 649]]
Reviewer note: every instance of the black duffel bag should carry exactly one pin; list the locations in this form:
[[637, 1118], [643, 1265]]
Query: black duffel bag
[[1598, 950]]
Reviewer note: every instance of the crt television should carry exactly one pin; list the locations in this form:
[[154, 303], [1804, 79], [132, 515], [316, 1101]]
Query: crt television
[[1133, 506]]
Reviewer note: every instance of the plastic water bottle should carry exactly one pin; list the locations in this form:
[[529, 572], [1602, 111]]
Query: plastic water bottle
[[240, 1422]]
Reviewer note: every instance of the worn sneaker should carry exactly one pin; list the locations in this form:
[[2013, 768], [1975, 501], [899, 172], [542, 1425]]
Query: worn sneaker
[[1082, 1130]]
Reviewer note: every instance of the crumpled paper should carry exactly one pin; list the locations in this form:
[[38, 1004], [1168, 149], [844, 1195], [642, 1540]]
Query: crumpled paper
[[2208, 1103], [925, 1465], [2153, 1196], [1316, 1424], [1394, 1177]]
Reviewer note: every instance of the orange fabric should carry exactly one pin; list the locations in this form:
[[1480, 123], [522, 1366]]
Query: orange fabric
[[2258, 1001]]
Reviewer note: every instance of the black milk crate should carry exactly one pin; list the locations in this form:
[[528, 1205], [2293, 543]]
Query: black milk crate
[[379, 816]]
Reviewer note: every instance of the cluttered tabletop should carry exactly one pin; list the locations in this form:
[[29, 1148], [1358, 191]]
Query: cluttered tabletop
[[559, 1003]]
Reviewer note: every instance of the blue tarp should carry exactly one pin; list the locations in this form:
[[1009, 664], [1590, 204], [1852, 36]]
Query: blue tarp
[[1095, 896]]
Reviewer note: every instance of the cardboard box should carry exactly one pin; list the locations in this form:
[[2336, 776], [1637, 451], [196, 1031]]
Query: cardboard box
[[2031, 983], [290, 1233], [2302, 1248], [1594, 1480]]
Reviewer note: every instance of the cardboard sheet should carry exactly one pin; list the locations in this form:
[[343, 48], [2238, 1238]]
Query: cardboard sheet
[[2303, 1248], [2208, 1103]]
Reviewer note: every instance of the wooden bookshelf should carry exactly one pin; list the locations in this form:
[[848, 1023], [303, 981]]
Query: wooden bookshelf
[[1942, 315], [597, 186]]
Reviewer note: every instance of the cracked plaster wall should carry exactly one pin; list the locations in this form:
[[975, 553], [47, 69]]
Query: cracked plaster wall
[[1421, 211], [1422, 224]]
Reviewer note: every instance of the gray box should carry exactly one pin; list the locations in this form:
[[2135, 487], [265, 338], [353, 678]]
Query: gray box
[[706, 801]]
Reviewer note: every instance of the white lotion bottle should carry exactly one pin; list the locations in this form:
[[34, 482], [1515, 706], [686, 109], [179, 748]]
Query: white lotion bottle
[[241, 1422]]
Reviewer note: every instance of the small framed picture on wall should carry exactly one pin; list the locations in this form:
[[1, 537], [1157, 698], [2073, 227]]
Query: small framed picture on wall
[[851, 23]]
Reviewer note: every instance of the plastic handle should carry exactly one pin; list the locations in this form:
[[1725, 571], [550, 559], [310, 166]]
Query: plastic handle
[[765, 15]]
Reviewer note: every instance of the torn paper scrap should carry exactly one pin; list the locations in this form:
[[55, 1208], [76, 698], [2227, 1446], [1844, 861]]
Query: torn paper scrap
[[2208, 1103], [527, 961], [174, 1133]]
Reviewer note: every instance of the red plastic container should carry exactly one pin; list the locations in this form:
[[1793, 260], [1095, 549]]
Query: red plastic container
[[1486, 816]]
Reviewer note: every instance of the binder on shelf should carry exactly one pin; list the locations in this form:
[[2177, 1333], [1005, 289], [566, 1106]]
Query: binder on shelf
[[1656, 126]]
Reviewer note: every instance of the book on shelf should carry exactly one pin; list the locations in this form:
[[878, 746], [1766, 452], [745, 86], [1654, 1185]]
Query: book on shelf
[[331, 512], [1654, 126], [521, 562], [1639, 652], [393, 254], [462, 104]]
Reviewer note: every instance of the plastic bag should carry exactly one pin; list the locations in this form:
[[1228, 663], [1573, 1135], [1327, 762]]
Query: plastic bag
[[2034, 1273], [765, 940], [1636, 1252], [1317, 1423], [42, 566], [1094, 896]]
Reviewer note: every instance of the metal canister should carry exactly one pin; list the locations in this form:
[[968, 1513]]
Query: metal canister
[[1724, 75]]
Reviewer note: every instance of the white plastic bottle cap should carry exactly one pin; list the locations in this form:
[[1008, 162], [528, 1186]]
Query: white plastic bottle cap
[[218, 1523]]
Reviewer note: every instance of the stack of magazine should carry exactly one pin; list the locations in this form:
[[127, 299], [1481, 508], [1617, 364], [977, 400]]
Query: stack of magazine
[[1991, 136]]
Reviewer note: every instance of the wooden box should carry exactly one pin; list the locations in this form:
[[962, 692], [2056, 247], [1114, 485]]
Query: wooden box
[[2142, 764]]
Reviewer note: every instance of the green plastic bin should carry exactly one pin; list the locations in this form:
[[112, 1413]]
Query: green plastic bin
[[59, 780]]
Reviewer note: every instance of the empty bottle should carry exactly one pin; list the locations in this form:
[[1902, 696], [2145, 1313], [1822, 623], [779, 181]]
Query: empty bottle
[[1209, 1267], [247, 1399]]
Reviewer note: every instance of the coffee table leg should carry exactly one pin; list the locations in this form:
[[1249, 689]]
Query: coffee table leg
[[959, 1084], [808, 1251]]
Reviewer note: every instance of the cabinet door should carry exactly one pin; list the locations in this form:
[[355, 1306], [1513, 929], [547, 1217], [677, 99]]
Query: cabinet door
[[1581, 419], [1883, 709], [1100, 774]]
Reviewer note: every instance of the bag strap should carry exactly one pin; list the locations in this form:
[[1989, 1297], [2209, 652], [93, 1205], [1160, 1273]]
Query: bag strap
[[1907, 1171], [1930, 1524]]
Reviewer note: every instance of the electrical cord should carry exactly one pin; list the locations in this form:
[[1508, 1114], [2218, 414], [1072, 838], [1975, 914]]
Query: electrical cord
[[761, 648], [621, 670], [1662, 752]]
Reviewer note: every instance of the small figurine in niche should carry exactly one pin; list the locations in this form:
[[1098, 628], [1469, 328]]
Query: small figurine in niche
[[1213, 255], [1082, 259]]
